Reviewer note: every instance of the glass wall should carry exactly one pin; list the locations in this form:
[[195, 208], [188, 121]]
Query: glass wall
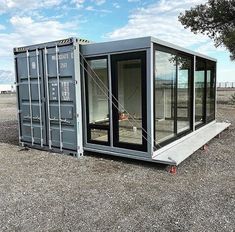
[[130, 97], [200, 91], [165, 82], [97, 100], [173, 99], [184, 81], [210, 90]]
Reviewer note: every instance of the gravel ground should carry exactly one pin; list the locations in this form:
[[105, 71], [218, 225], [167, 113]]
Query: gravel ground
[[224, 95], [42, 191]]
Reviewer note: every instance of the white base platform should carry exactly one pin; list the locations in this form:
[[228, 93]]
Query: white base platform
[[178, 151]]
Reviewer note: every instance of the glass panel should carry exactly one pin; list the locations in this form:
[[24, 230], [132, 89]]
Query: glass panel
[[165, 79], [99, 135], [98, 109], [210, 92], [130, 97], [199, 91], [183, 93]]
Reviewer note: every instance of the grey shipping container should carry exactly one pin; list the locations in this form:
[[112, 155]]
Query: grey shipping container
[[139, 98], [48, 84]]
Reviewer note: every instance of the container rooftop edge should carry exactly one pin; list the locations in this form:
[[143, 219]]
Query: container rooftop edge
[[133, 44]]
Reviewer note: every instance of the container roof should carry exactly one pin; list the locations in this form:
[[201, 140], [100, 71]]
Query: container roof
[[61, 42], [119, 46]]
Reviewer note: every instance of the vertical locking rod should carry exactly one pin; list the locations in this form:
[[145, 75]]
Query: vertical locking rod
[[39, 98], [30, 100], [58, 98], [48, 98]]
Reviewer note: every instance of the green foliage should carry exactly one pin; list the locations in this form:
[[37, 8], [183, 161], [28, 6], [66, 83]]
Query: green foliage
[[232, 99], [216, 19]]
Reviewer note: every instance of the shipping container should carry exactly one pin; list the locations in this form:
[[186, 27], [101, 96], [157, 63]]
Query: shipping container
[[140, 98]]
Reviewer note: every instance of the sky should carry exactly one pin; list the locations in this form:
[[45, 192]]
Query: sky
[[26, 22]]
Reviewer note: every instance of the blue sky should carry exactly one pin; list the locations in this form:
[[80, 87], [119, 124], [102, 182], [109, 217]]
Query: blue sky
[[24, 22]]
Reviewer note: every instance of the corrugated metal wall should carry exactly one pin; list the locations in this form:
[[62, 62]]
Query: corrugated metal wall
[[46, 83]]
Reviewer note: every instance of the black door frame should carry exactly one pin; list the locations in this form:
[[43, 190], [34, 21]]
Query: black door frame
[[114, 73]]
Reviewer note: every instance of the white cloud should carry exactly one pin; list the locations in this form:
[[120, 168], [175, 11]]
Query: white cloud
[[116, 5], [99, 2], [6, 77], [27, 31], [2, 27], [160, 20], [92, 8], [209, 47], [78, 3], [7, 5]]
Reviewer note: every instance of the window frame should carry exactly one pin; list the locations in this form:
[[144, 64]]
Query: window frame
[[161, 48], [91, 126]]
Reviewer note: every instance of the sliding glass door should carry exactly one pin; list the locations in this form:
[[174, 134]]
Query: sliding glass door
[[173, 95], [129, 100], [129, 117], [200, 92], [165, 101], [184, 93], [210, 90], [205, 88]]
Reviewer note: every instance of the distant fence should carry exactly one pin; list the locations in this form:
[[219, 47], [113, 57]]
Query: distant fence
[[226, 84]]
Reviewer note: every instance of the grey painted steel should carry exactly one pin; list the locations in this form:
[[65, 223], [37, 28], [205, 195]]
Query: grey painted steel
[[149, 86], [78, 97], [110, 102], [122, 150], [51, 95], [151, 92], [30, 100], [115, 46], [182, 49], [39, 99], [132, 44], [177, 152], [58, 92], [62, 42], [49, 102]]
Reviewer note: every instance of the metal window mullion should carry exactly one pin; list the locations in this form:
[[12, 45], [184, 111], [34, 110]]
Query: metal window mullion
[[205, 93], [39, 98], [30, 100], [110, 101], [176, 98], [194, 92], [58, 93], [48, 98]]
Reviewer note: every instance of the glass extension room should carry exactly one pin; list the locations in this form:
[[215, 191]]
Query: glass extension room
[[140, 95]]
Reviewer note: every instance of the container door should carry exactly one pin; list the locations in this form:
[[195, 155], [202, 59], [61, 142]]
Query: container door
[[129, 108], [60, 94], [46, 96], [29, 77]]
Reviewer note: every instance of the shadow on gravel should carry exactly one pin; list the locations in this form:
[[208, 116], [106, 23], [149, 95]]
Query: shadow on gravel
[[140, 163], [9, 132]]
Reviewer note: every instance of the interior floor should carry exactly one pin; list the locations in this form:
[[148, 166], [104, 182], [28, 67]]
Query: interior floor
[[130, 131], [165, 129]]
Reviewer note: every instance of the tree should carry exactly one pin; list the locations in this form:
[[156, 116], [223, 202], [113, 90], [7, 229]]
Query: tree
[[216, 19]]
